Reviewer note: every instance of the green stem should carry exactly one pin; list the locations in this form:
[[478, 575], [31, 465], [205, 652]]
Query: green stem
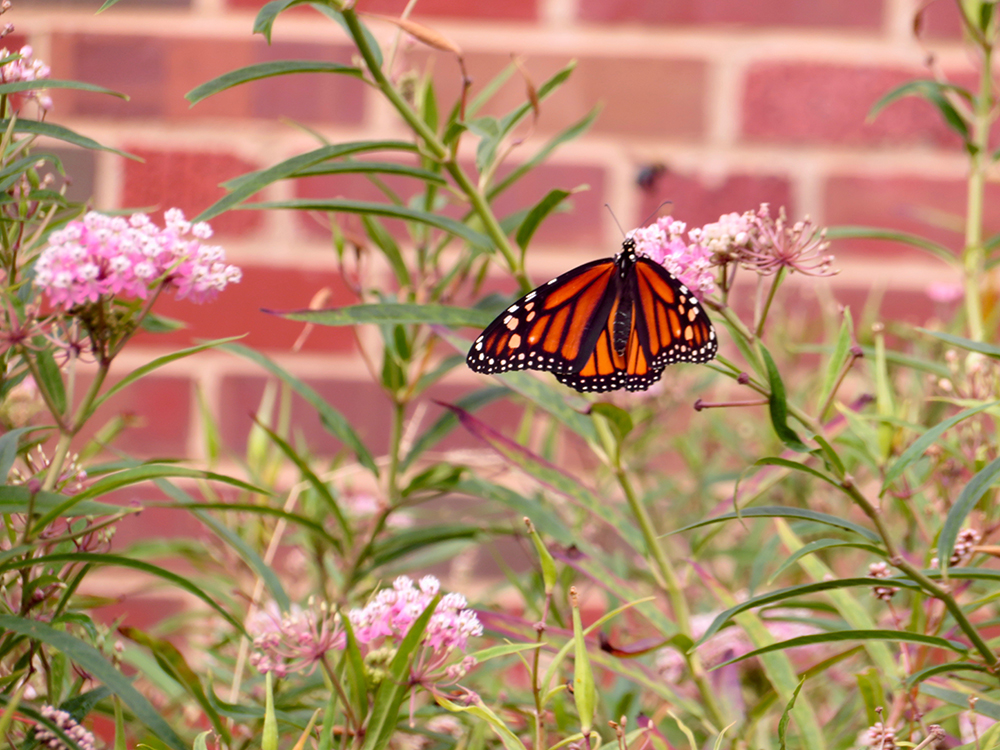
[[664, 573], [974, 255], [437, 150], [778, 277], [912, 572]]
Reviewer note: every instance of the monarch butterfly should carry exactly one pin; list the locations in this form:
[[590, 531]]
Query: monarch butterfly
[[601, 326]]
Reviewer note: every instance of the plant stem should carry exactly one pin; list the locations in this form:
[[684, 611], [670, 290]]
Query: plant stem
[[911, 571], [974, 255]]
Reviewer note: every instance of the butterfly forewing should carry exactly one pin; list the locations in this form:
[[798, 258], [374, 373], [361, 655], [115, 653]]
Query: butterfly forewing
[[605, 325], [551, 328]]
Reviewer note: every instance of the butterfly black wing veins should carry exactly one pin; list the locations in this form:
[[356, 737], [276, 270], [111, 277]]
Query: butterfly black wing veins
[[608, 324]]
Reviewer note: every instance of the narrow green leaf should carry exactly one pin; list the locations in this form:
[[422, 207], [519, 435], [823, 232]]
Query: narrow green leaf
[[893, 636], [385, 242], [354, 667], [91, 660], [955, 666], [266, 16], [870, 688], [838, 358], [246, 185], [982, 706], [392, 314], [144, 472], [396, 685], [779, 407], [821, 544], [796, 466], [371, 167], [146, 369], [783, 512], [332, 420], [537, 215], [584, 687], [402, 543], [54, 83], [173, 662], [792, 592], [619, 419], [971, 494], [119, 561], [873, 233], [266, 70], [51, 377], [508, 738], [990, 350], [921, 444], [786, 716], [15, 499], [59, 133], [9, 443], [934, 92], [477, 239]]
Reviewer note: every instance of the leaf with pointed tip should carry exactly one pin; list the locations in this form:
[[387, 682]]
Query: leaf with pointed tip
[[270, 69], [59, 133], [391, 313], [971, 494], [782, 512], [990, 350], [875, 233], [91, 660]]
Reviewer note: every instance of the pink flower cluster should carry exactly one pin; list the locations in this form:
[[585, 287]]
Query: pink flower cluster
[[294, 641], [47, 738], [26, 69], [393, 611], [662, 243], [107, 256]]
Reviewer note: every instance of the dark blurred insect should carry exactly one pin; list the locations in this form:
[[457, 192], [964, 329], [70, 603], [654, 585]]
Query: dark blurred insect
[[608, 324]]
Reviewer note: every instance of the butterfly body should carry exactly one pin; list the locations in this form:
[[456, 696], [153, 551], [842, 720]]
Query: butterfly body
[[610, 323]]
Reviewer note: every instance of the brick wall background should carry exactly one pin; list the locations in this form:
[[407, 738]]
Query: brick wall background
[[740, 101]]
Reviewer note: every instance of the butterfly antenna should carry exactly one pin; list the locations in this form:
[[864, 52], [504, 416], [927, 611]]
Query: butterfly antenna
[[656, 211], [608, 206]]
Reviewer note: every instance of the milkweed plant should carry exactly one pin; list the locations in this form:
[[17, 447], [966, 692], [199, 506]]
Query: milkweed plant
[[789, 546]]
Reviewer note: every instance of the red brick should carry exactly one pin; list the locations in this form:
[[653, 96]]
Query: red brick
[[814, 103], [327, 97], [698, 201], [905, 203], [239, 310], [940, 20], [362, 402], [194, 61], [157, 410], [187, 180], [509, 10], [101, 59], [824, 14], [650, 97]]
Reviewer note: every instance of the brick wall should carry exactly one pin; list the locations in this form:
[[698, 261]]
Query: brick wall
[[740, 101]]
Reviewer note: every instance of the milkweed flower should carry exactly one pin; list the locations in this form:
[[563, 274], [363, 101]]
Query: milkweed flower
[[881, 570], [775, 244], [47, 738], [26, 69], [103, 256], [663, 243], [388, 617], [294, 641], [879, 737]]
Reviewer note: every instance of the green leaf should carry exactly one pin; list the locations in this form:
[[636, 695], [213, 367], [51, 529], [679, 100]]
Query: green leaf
[[392, 313], [955, 666], [792, 592], [935, 93], [396, 685], [266, 70], [870, 688], [873, 233], [921, 444], [448, 421], [9, 444], [508, 738], [51, 377], [838, 358], [779, 407], [146, 369], [59, 133], [15, 499], [402, 543], [971, 494], [266, 16], [584, 687], [894, 636], [477, 239], [989, 350], [982, 706], [786, 715], [537, 215], [173, 662], [783, 512], [246, 185], [332, 420], [90, 659], [93, 558], [796, 466], [371, 167], [619, 419], [821, 544], [354, 667], [54, 83]]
